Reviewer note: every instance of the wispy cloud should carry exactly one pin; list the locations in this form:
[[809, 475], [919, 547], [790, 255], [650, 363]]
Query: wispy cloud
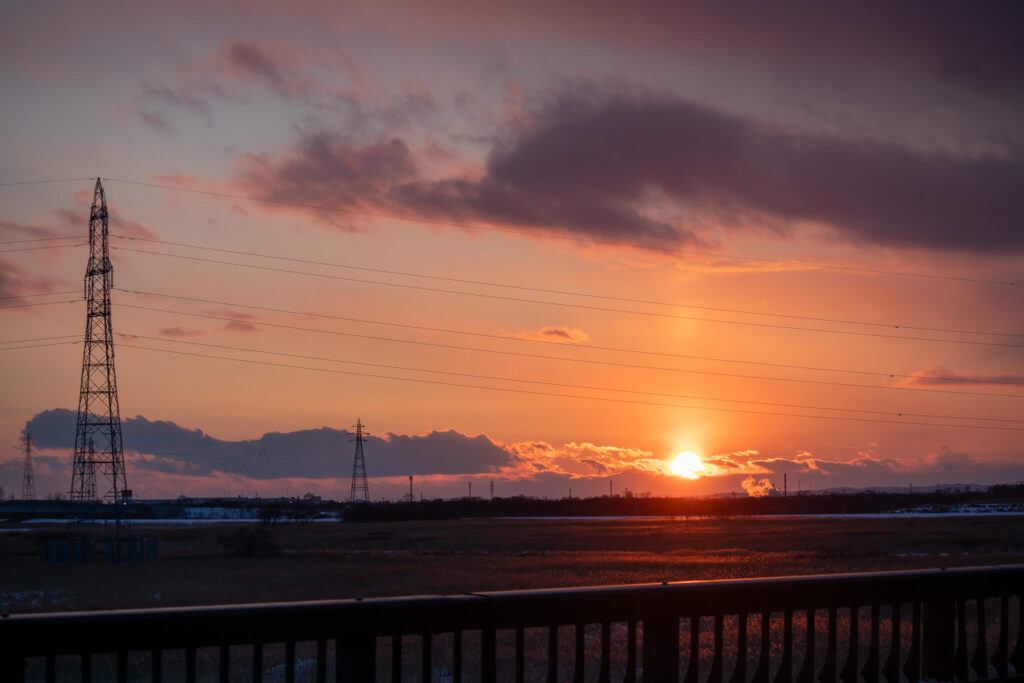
[[180, 332], [229, 313], [937, 376], [239, 326], [568, 335], [16, 281]]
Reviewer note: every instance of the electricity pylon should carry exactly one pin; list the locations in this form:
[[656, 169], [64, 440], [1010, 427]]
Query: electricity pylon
[[360, 492], [98, 446], [28, 480]]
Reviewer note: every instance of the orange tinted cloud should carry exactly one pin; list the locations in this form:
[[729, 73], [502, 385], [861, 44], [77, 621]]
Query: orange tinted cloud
[[579, 460]]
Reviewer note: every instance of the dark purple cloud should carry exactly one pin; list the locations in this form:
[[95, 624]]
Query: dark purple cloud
[[252, 58], [623, 149], [326, 170], [313, 453], [657, 170]]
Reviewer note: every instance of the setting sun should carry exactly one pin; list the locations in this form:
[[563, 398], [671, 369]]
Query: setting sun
[[687, 464]]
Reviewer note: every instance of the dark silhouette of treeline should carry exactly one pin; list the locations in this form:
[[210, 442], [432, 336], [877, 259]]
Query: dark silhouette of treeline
[[1006, 497], [998, 498]]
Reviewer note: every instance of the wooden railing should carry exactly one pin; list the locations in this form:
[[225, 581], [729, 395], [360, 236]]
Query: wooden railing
[[957, 624]]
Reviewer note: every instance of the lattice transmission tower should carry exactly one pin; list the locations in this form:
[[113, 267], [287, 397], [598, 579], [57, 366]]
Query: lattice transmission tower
[[28, 480], [360, 492], [98, 445]]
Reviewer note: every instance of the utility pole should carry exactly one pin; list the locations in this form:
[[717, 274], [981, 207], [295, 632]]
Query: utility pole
[[98, 445], [28, 480], [360, 492], [411, 499], [470, 489], [492, 489]]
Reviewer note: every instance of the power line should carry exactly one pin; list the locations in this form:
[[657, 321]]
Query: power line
[[556, 235], [41, 303], [568, 305], [39, 346], [505, 337], [565, 358], [35, 339], [546, 290], [43, 239], [22, 296], [49, 246], [45, 181], [573, 396], [388, 366]]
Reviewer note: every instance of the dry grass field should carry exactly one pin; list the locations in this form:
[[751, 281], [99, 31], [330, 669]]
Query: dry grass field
[[333, 560]]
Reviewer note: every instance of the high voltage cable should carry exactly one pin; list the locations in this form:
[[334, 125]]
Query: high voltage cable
[[564, 358], [44, 181], [567, 305], [41, 303], [873, 373], [19, 341], [566, 292], [39, 346], [574, 396], [388, 366], [21, 296], [48, 246], [43, 239], [556, 235]]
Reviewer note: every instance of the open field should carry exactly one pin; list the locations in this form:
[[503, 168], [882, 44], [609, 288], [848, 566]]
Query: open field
[[323, 561]]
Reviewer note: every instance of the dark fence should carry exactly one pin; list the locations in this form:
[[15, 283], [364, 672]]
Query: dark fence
[[957, 624]]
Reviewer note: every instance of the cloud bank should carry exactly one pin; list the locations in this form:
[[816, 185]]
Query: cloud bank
[[628, 165], [165, 457]]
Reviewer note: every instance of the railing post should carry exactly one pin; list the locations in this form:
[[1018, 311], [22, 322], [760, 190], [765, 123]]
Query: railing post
[[488, 655], [355, 658], [12, 663], [939, 638], [661, 649]]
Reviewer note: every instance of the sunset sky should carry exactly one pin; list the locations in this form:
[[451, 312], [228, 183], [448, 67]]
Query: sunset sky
[[551, 245]]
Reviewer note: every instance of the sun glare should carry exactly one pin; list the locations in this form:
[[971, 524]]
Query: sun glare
[[687, 464]]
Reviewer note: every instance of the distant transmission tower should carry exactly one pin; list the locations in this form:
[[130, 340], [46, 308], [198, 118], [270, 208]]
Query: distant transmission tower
[[98, 445], [28, 481], [360, 492]]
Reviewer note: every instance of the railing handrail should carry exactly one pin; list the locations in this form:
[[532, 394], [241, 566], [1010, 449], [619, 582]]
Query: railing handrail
[[659, 606], [631, 600]]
